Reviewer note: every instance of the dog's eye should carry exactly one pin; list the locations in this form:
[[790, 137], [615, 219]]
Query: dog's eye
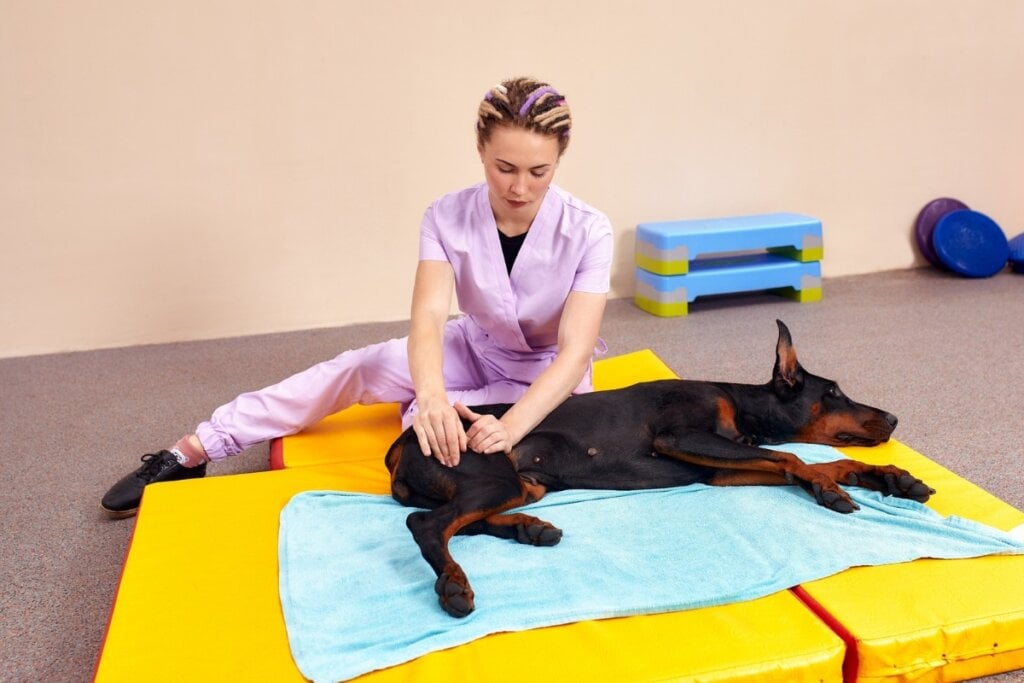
[[835, 392]]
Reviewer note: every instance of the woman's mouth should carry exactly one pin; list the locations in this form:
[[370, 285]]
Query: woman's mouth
[[516, 204]]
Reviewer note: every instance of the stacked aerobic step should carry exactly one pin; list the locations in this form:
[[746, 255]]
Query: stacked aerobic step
[[678, 261]]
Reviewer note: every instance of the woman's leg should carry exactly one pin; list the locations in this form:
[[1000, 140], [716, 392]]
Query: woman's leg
[[378, 373], [374, 374]]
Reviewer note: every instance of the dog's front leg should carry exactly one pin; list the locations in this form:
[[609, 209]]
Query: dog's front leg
[[737, 464], [887, 479]]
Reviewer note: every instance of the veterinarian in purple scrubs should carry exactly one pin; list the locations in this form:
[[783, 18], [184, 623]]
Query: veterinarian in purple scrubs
[[529, 264]]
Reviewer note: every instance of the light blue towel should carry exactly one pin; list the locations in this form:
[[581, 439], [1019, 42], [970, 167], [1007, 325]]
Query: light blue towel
[[357, 596]]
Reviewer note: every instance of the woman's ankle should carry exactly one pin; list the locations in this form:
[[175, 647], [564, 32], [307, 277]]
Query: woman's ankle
[[189, 451]]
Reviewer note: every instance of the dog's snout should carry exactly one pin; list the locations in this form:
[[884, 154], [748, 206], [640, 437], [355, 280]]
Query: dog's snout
[[892, 420]]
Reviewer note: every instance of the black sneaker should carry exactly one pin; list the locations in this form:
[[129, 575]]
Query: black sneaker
[[122, 500]]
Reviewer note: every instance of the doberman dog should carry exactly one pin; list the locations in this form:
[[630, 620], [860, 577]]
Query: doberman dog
[[649, 435]]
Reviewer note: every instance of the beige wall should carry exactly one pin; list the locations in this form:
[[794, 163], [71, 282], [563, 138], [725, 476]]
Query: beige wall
[[193, 168]]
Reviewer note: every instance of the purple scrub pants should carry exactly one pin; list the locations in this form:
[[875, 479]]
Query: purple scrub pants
[[475, 372]]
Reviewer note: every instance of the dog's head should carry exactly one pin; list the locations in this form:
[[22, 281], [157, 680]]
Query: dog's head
[[816, 408]]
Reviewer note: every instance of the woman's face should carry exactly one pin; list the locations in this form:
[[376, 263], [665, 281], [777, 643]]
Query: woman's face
[[519, 165]]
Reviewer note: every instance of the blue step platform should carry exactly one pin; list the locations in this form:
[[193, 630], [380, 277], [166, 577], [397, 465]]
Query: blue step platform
[[670, 295], [669, 247], [678, 261]]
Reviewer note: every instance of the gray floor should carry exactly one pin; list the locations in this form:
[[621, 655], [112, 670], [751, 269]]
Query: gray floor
[[941, 352]]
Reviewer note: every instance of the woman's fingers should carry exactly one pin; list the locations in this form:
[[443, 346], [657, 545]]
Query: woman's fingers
[[440, 433], [489, 435]]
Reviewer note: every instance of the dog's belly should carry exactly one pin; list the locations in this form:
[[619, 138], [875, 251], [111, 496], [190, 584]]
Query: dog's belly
[[617, 471]]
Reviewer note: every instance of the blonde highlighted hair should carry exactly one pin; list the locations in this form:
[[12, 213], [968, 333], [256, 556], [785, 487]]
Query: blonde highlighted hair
[[524, 103]]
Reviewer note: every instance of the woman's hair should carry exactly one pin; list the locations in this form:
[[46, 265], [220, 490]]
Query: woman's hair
[[524, 103]]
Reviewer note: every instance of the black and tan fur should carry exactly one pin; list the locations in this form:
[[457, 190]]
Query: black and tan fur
[[650, 435]]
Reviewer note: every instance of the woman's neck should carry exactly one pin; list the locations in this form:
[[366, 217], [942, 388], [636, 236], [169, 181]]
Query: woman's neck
[[509, 229], [512, 225]]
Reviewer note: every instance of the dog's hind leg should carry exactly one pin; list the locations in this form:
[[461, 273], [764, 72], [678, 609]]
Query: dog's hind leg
[[433, 530], [518, 527]]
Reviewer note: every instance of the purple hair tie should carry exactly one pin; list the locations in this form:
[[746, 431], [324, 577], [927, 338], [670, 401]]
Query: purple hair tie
[[534, 96], [490, 93]]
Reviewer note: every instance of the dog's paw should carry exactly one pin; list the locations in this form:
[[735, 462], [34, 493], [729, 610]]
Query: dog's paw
[[890, 481], [829, 495], [903, 484], [454, 594], [539, 533]]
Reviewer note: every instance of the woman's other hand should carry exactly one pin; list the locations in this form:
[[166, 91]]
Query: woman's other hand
[[486, 433]]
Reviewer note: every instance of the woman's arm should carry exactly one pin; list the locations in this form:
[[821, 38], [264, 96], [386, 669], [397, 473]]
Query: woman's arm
[[577, 337], [436, 422]]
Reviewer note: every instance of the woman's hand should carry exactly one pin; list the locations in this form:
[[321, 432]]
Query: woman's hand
[[440, 431], [486, 434]]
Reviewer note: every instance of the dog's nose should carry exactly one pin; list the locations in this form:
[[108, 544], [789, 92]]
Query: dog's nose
[[892, 420]]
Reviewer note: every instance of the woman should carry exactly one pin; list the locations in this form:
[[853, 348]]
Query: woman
[[530, 266]]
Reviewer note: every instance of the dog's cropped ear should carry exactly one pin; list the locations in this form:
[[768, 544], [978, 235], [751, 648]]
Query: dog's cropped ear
[[787, 376]]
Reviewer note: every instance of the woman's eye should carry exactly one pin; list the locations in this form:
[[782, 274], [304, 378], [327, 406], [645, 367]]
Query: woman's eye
[[538, 174]]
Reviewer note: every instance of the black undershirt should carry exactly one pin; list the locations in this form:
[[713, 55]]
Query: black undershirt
[[510, 248]]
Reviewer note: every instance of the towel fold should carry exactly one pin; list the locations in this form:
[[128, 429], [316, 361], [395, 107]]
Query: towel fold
[[357, 596]]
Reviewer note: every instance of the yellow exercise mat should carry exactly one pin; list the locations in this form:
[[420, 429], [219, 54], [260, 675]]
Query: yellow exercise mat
[[358, 433], [202, 570], [201, 574], [361, 433], [931, 620]]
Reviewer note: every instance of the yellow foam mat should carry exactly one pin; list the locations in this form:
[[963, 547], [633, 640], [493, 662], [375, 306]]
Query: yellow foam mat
[[354, 434], [201, 574], [933, 620], [201, 578], [926, 620]]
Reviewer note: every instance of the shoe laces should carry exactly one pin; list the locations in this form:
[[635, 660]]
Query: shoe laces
[[152, 465]]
